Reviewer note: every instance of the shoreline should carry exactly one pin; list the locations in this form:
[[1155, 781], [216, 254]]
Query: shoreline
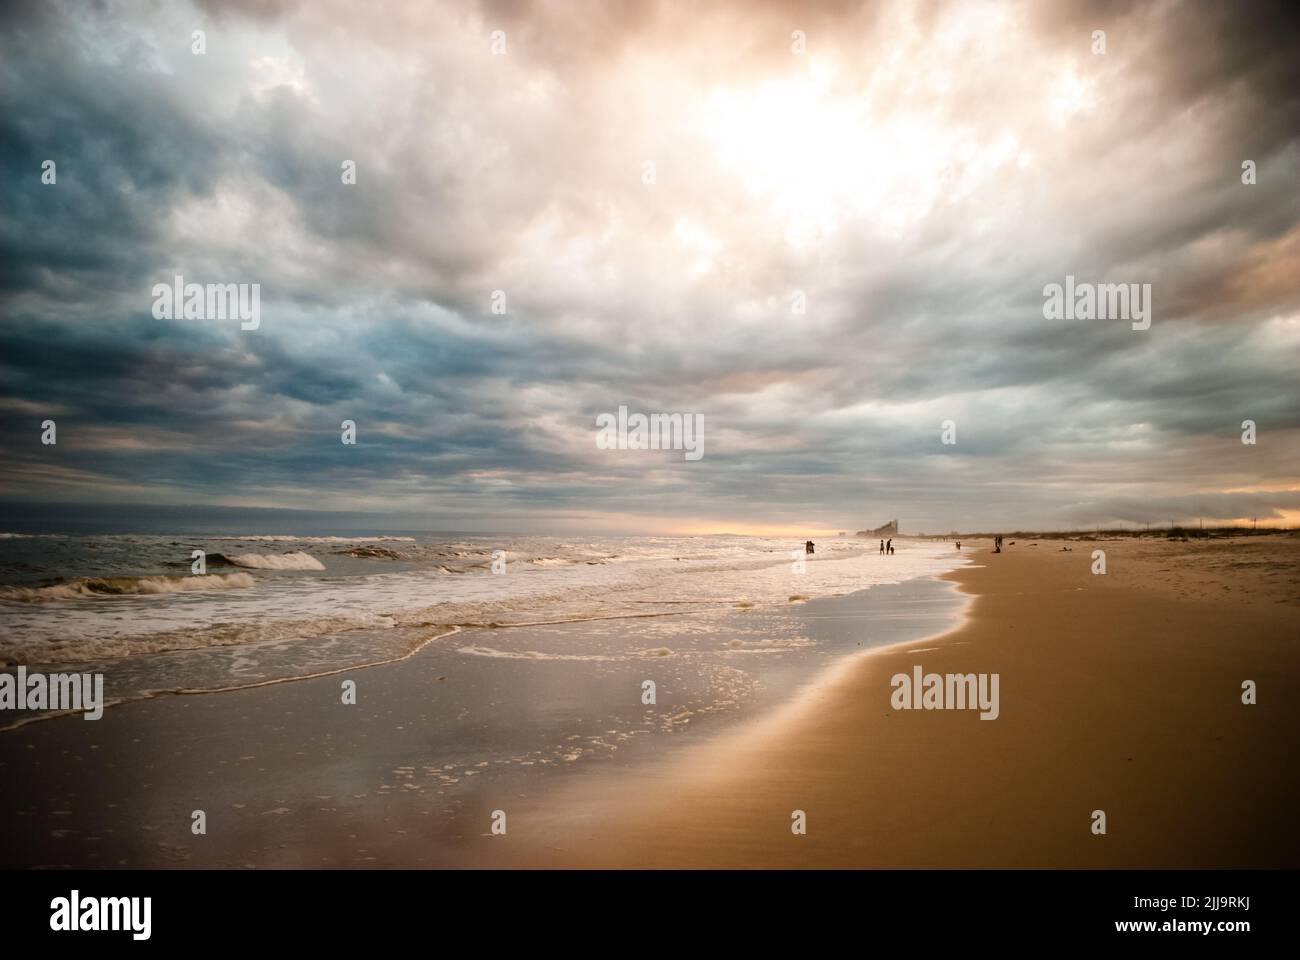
[[1119, 693], [360, 783], [226, 644]]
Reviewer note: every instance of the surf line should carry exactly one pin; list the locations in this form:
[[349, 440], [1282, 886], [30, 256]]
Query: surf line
[[456, 628], [189, 691], [192, 691]]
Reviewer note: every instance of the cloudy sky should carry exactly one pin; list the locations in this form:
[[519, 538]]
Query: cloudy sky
[[824, 227]]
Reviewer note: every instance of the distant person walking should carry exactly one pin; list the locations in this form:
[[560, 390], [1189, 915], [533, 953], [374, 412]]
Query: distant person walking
[[958, 544], [882, 546], [889, 546], [808, 547]]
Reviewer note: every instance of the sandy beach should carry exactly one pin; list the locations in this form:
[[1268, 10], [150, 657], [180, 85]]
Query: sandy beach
[[1120, 692]]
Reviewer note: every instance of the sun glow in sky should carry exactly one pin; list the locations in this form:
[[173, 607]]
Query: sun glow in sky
[[814, 158], [705, 528]]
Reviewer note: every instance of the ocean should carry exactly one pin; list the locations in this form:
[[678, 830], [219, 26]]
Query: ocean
[[276, 607], [484, 691]]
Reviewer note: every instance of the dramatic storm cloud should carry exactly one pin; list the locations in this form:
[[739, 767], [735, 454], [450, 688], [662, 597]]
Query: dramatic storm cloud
[[826, 228]]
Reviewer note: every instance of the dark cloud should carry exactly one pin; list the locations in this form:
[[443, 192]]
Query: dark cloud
[[918, 175]]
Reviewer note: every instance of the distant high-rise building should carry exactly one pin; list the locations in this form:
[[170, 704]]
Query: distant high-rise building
[[888, 530]]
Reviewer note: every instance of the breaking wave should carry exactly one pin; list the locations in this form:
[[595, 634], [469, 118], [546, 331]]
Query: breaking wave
[[363, 605], [93, 587], [276, 561]]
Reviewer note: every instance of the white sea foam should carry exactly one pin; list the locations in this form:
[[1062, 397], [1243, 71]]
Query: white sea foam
[[481, 651], [649, 577], [277, 561]]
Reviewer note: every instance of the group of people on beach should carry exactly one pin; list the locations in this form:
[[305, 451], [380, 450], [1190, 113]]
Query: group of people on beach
[[887, 546]]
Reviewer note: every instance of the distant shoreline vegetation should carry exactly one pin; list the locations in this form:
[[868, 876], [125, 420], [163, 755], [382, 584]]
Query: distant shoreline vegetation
[[1115, 533]]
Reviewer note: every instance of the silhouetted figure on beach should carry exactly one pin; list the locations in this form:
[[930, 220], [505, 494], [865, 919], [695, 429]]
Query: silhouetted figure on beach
[[889, 546], [958, 544], [808, 547], [882, 546], [997, 544]]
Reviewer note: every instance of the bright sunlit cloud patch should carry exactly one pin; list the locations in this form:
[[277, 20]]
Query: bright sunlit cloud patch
[[817, 160]]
